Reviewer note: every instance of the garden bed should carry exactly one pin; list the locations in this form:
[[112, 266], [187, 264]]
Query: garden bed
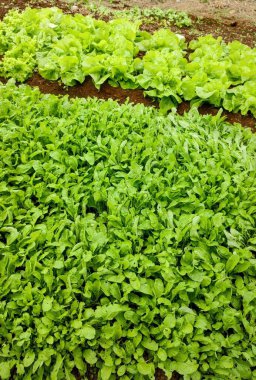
[[79, 178], [229, 29]]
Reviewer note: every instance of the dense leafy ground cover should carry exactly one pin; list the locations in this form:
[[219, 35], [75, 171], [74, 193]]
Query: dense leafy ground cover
[[166, 17], [70, 48], [127, 241]]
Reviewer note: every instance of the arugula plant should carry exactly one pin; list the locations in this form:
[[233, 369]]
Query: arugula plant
[[127, 241]]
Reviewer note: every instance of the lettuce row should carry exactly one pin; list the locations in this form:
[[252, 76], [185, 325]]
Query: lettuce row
[[222, 74], [127, 241], [70, 48]]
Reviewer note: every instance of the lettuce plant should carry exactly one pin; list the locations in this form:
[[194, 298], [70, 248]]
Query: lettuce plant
[[70, 48]]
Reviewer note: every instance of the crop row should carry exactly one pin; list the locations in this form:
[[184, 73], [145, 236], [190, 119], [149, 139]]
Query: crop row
[[70, 48], [127, 241], [164, 17]]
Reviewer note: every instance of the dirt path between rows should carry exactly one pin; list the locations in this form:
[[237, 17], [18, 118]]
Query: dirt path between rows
[[244, 10], [87, 89]]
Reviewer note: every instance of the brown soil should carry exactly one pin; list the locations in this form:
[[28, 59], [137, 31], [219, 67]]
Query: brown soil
[[240, 9], [87, 89], [229, 30], [233, 20]]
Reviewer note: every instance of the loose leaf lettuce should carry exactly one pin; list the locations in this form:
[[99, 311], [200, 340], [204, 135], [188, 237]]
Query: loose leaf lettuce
[[72, 47]]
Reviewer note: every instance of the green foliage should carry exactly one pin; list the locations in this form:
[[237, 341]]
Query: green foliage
[[221, 74], [164, 17], [70, 48], [127, 241]]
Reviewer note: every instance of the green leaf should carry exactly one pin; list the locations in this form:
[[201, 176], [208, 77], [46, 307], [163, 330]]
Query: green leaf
[[150, 344], [29, 358], [58, 264], [90, 356], [5, 370], [57, 367], [13, 234], [232, 262], [226, 362], [186, 368], [47, 303], [105, 372], [121, 370], [78, 358], [88, 332], [146, 369], [166, 104], [161, 353]]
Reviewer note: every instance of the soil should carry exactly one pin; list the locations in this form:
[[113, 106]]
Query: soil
[[231, 19], [225, 9], [87, 89]]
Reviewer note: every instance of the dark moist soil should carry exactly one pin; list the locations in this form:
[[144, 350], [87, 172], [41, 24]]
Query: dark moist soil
[[87, 89]]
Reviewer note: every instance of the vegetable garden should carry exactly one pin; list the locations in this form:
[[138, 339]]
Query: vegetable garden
[[127, 232]]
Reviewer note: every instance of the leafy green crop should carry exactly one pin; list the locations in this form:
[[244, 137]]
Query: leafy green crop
[[221, 74], [127, 241], [166, 17], [70, 48]]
